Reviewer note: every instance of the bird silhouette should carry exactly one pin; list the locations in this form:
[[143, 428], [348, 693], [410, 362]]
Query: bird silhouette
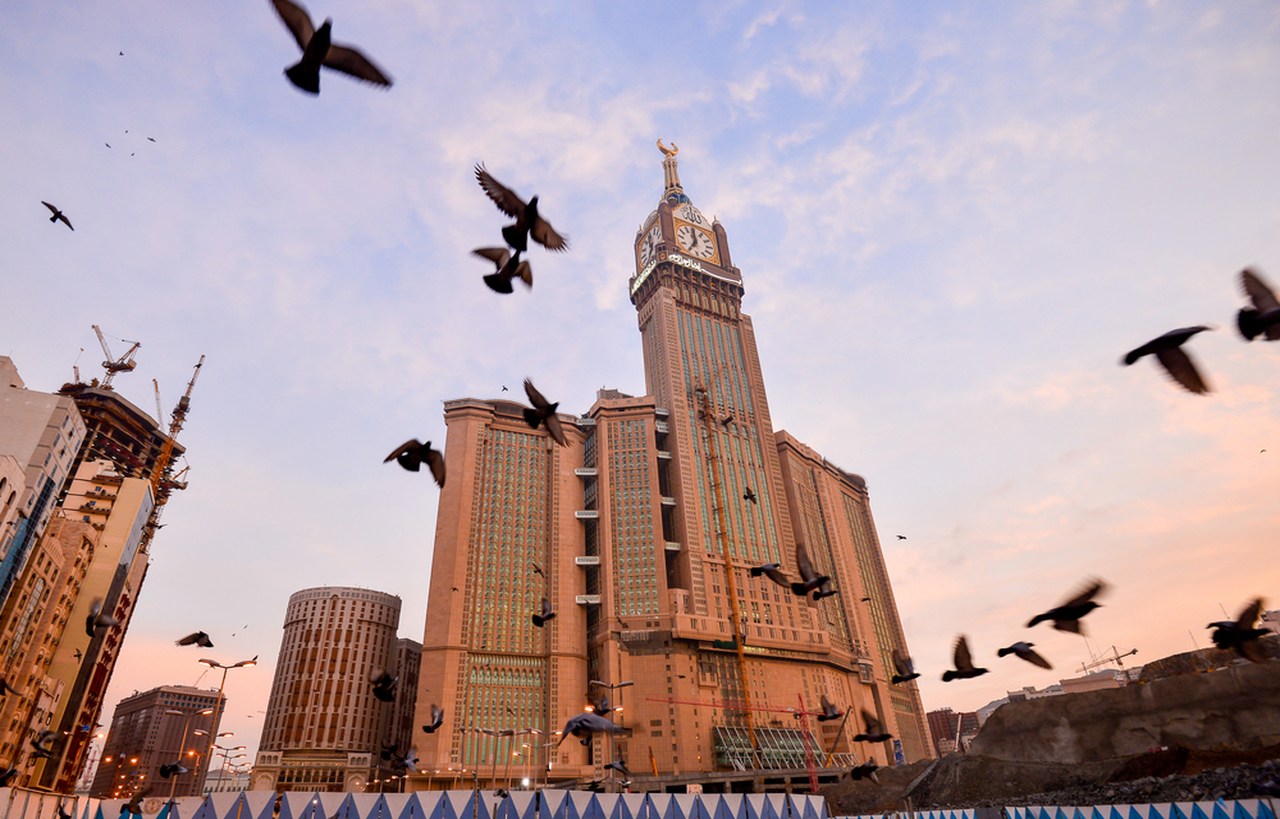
[[384, 684], [543, 614], [904, 668], [587, 724], [964, 668], [774, 572], [7, 776], [412, 454], [1066, 616], [829, 711], [528, 222], [749, 495], [902, 537], [824, 590], [1026, 652], [134, 805], [437, 719], [1168, 351], [618, 764], [319, 50], [507, 268], [196, 638], [97, 619], [1263, 318], [809, 579], [874, 732], [543, 414], [57, 214], [63, 813], [538, 570], [867, 770], [601, 705], [5, 688], [173, 769], [42, 746], [1239, 635]]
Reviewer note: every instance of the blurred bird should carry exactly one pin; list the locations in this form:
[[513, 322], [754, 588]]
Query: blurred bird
[[173, 769], [824, 590], [774, 572], [1239, 635], [318, 49], [902, 537], [7, 777], [544, 413], [409, 762], [601, 705], [586, 724], [384, 685], [507, 268], [5, 688], [134, 805], [1026, 652], [198, 638], [809, 579], [749, 495], [1264, 317], [538, 570], [866, 770], [964, 668], [875, 730], [42, 746], [78, 655], [63, 813], [57, 214], [437, 719], [1066, 617], [97, 619], [904, 668], [620, 765], [528, 222], [829, 711], [1168, 351], [544, 614], [412, 454]]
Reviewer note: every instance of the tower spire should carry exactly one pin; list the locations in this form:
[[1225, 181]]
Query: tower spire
[[670, 174]]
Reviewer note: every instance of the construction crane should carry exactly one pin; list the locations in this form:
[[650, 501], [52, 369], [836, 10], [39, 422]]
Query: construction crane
[[113, 365], [160, 486], [159, 409], [1107, 659]]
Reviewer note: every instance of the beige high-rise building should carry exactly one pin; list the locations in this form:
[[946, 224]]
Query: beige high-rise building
[[641, 533], [324, 729]]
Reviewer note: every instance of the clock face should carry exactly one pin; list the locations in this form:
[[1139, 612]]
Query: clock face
[[695, 242], [689, 213], [648, 248]]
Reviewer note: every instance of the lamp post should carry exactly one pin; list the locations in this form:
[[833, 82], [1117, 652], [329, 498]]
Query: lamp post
[[182, 745], [614, 687], [208, 755], [225, 753]]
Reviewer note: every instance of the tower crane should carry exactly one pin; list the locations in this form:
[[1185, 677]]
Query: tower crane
[[1107, 659], [161, 485], [113, 365]]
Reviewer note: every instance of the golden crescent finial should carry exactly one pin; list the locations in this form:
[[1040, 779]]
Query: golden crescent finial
[[672, 151]]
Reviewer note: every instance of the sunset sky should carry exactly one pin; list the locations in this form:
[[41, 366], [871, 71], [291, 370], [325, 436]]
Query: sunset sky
[[952, 220]]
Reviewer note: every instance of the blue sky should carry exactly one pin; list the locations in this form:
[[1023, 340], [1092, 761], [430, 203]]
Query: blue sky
[[952, 220]]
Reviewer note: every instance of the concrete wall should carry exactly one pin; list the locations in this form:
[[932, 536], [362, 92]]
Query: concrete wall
[[1234, 707]]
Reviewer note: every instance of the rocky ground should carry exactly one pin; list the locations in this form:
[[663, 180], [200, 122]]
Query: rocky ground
[[1168, 775]]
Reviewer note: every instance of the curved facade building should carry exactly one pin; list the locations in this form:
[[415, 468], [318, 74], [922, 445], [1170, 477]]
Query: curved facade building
[[324, 729]]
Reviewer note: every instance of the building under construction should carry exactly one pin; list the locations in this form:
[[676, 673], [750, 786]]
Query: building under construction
[[640, 534]]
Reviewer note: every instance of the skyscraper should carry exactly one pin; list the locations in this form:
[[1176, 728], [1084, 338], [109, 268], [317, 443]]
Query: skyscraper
[[641, 533]]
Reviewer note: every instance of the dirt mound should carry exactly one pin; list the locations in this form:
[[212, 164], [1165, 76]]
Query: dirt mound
[[1179, 761]]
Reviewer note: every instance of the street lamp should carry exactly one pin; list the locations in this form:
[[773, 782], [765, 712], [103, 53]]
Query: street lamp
[[221, 684], [182, 745], [225, 753]]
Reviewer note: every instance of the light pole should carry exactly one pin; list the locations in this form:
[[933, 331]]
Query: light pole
[[182, 745], [614, 687], [208, 755], [225, 753]]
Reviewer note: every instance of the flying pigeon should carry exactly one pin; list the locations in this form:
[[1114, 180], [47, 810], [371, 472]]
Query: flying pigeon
[[586, 724], [318, 50], [1168, 351], [528, 222], [63, 813], [97, 619], [1263, 318], [198, 638], [57, 214], [538, 570], [829, 711], [824, 590], [437, 719], [904, 668], [902, 537], [601, 706], [866, 770], [173, 769], [619, 765], [1066, 617], [964, 668], [749, 495], [507, 268], [1026, 652], [875, 730], [43, 745], [7, 776], [543, 413], [809, 579], [1239, 635], [544, 614], [774, 572], [134, 805], [5, 688], [384, 685], [412, 454]]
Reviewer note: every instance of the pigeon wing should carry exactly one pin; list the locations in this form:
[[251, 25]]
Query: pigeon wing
[[297, 20], [353, 63], [545, 235], [51, 208], [873, 724], [498, 255], [435, 462], [1249, 615], [1255, 288], [777, 576], [1034, 657], [407, 446], [556, 429], [1086, 594], [803, 565], [960, 656], [536, 398], [505, 198], [902, 663], [1179, 365]]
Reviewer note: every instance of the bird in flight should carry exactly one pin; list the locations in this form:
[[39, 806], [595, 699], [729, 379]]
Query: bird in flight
[[824, 590], [319, 50], [58, 214], [866, 770], [1263, 318], [97, 619], [543, 414], [809, 579], [1168, 351], [197, 638], [904, 668], [1024, 651], [412, 454], [963, 661], [43, 745], [1066, 616], [902, 537], [875, 730], [1239, 635], [774, 572], [507, 268], [586, 724], [538, 570], [544, 613], [437, 719], [829, 710], [384, 685], [528, 222], [173, 769], [749, 495]]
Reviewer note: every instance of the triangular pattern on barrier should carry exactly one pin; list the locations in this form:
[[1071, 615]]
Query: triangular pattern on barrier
[[1140, 812], [595, 808], [807, 809], [733, 806], [247, 805], [633, 805], [269, 810], [576, 804], [657, 805], [1161, 811], [1180, 810], [754, 806], [552, 802], [1117, 812], [1201, 810], [298, 803], [777, 805], [519, 805], [423, 805], [684, 805]]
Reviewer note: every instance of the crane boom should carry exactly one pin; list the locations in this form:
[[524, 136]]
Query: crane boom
[[113, 365]]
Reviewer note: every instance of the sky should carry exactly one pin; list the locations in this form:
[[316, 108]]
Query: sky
[[952, 220]]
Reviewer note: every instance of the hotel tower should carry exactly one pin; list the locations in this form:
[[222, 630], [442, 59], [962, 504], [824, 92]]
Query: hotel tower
[[641, 533]]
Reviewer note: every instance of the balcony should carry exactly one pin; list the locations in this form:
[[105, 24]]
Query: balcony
[[587, 514], [661, 411], [585, 422], [586, 471], [586, 560], [662, 426], [664, 454], [673, 546], [587, 599], [667, 500]]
